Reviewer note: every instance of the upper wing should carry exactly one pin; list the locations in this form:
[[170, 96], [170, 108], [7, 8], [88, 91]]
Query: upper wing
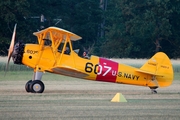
[[55, 36], [55, 30]]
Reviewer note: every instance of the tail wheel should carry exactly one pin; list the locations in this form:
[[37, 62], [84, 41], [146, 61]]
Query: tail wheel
[[27, 86], [37, 86], [153, 90]]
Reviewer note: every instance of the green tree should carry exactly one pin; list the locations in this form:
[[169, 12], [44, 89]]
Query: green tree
[[11, 12], [135, 29], [116, 43], [144, 27], [82, 18], [174, 39]]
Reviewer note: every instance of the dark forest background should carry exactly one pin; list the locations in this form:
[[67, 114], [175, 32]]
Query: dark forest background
[[109, 28]]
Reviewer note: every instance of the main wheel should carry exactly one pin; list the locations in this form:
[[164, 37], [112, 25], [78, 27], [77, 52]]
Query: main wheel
[[37, 86], [27, 86]]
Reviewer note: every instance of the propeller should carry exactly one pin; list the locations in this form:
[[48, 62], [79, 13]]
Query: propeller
[[11, 47]]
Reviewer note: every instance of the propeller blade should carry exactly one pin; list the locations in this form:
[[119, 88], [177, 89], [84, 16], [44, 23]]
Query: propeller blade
[[11, 47]]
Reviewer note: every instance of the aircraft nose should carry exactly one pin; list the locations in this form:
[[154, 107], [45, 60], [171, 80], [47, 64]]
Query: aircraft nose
[[18, 52]]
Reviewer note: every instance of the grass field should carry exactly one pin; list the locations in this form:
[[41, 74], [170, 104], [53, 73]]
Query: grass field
[[67, 98]]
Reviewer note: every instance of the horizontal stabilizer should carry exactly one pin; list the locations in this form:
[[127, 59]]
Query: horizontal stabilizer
[[147, 72]]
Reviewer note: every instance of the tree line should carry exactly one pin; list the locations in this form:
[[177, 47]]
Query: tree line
[[109, 28]]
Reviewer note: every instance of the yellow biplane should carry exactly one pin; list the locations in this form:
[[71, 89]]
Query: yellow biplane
[[54, 53]]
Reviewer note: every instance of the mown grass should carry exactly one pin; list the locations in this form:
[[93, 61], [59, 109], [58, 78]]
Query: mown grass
[[133, 62], [15, 67], [21, 72], [67, 98], [27, 75]]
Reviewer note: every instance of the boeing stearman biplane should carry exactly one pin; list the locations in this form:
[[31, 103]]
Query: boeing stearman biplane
[[54, 53]]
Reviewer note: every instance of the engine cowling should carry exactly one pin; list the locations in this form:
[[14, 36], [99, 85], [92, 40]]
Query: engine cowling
[[18, 52]]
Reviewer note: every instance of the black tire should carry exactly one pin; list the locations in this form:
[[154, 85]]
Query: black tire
[[37, 86], [27, 86]]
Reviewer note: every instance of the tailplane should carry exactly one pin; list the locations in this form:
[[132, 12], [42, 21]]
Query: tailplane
[[160, 69]]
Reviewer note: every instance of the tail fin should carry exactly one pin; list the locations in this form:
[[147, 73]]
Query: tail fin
[[160, 67]]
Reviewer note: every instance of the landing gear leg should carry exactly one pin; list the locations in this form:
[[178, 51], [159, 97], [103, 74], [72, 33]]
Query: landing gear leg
[[35, 85], [155, 83]]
